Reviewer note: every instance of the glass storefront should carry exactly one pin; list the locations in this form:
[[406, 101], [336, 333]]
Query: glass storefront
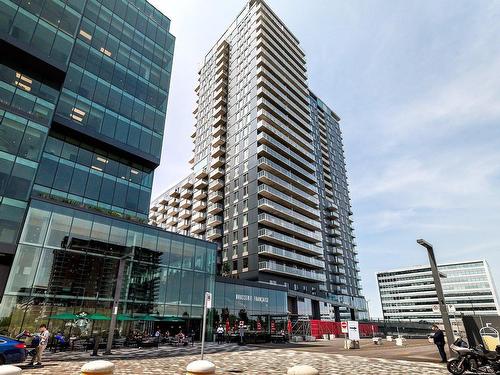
[[67, 262], [262, 308]]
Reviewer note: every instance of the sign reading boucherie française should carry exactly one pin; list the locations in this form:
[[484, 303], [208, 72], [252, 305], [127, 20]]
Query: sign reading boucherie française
[[246, 297]]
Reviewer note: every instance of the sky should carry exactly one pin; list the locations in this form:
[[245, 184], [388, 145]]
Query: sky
[[417, 86]]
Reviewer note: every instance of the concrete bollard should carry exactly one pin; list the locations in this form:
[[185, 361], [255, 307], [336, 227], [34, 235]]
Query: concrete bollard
[[9, 370], [200, 367], [99, 367], [302, 370]]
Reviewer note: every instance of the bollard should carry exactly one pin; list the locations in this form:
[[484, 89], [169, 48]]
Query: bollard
[[99, 367], [200, 367], [9, 370], [302, 370]]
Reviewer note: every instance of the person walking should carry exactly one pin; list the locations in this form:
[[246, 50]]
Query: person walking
[[439, 342], [220, 334], [44, 340]]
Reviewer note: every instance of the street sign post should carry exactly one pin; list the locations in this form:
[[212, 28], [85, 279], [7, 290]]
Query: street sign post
[[353, 330], [206, 305], [343, 327]]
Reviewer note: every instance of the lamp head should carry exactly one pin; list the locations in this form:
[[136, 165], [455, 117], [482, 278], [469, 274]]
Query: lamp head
[[424, 243]]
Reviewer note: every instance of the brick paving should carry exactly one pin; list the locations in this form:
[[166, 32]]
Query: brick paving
[[233, 359]]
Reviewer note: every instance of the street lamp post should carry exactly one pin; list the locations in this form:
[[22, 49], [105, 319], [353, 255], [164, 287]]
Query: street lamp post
[[439, 291], [116, 301]]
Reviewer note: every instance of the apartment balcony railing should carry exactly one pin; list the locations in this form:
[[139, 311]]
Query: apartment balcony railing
[[184, 224], [198, 228], [214, 208], [214, 233], [215, 196], [218, 162], [185, 203], [216, 184], [266, 164], [280, 184], [201, 183], [202, 173], [290, 256], [218, 140], [171, 221], [188, 184], [335, 241], [263, 149], [218, 151], [217, 173], [288, 227], [173, 202], [186, 193], [174, 193], [280, 210], [282, 239], [173, 211], [288, 201], [200, 194], [184, 214], [199, 206], [214, 220], [291, 271], [198, 217]]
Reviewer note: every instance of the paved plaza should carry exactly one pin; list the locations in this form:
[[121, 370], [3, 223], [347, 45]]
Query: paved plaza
[[233, 359]]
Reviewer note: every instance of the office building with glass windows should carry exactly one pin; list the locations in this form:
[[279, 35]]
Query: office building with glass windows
[[83, 98], [268, 181], [410, 294]]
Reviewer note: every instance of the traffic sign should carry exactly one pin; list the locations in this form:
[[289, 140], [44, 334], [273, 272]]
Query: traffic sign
[[343, 327]]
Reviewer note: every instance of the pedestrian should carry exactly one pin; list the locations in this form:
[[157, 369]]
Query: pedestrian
[[44, 340], [439, 342], [220, 334]]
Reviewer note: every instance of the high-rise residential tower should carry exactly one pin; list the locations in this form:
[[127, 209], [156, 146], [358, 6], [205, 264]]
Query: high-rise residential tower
[[83, 99], [268, 180]]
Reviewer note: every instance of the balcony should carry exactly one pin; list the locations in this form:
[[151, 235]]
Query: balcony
[[263, 150], [171, 221], [217, 173], [287, 241], [163, 200], [339, 280], [290, 228], [218, 131], [288, 201], [198, 228], [335, 250], [215, 196], [201, 183], [202, 173], [184, 214], [333, 232], [332, 207], [333, 214], [199, 206], [335, 241], [218, 151], [218, 140], [214, 220], [218, 162], [216, 184], [188, 184], [222, 92], [272, 251], [162, 209], [199, 217], [185, 203], [277, 183], [174, 193], [173, 211], [269, 266], [334, 223], [336, 260], [186, 193], [274, 168], [174, 202], [213, 233], [199, 195], [282, 211], [183, 224], [215, 208]]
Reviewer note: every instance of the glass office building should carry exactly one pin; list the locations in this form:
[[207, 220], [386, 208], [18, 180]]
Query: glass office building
[[83, 96]]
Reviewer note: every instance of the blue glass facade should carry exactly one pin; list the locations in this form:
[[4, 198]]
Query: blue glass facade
[[83, 96]]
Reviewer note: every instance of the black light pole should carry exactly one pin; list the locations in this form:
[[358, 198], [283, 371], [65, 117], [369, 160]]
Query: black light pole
[[116, 301], [439, 291]]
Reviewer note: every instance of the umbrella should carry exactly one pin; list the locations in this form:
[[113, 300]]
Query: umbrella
[[148, 318], [97, 317], [124, 318], [63, 316]]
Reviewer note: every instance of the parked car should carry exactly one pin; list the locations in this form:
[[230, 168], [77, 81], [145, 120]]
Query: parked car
[[11, 351]]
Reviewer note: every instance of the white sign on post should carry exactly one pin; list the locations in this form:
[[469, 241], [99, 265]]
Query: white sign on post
[[343, 327], [208, 300], [353, 330]]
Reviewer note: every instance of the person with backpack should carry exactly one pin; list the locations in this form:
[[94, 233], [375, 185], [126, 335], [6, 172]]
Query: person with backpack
[[44, 340]]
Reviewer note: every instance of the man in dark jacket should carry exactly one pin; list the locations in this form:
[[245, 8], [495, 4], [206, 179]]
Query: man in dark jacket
[[439, 341]]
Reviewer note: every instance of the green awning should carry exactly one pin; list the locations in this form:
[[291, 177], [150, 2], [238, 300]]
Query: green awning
[[63, 316], [125, 318], [148, 318], [172, 319], [97, 317]]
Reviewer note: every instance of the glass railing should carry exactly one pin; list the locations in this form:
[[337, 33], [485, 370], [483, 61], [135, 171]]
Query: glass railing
[[288, 199], [300, 272], [282, 183], [284, 147], [286, 254], [290, 241], [287, 173], [290, 226], [288, 162], [288, 212]]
